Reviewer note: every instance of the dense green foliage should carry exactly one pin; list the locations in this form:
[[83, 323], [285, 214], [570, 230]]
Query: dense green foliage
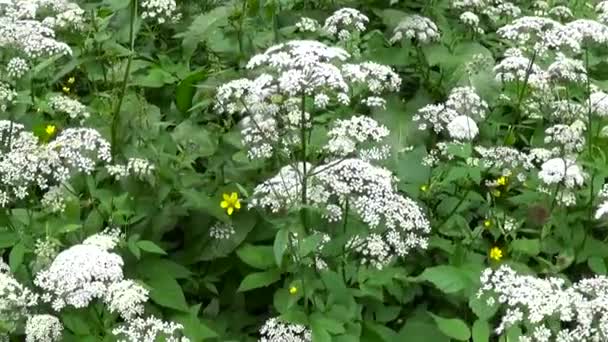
[[221, 266]]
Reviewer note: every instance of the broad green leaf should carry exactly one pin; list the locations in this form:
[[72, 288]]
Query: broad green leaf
[[8, 239], [597, 265], [260, 257], [446, 278], [453, 327], [185, 91], [16, 255], [259, 279], [529, 247], [481, 331], [166, 291], [150, 247]]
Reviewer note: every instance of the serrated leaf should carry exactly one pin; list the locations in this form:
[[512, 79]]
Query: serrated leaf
[[446, 278]]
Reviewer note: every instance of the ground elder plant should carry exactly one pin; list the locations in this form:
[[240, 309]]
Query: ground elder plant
[[285, 171]]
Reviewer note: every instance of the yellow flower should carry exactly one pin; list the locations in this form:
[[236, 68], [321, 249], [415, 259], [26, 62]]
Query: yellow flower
[[231, 202], [71, 80], [496, 193], [293, 290], [66, 89], [424, 188], [487, 223], [50, 129], [496, 253], [502, 180]]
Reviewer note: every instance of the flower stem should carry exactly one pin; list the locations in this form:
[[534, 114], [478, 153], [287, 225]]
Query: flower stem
[[125, 81]]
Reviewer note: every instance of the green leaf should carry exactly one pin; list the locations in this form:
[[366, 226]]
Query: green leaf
[[194, 328], [8, 239], [150, 247], [481, 331], [529, 247], [194, 139], [281, 241], [203, 27], [329, 324], [184, 93], [446, 278], [597, 265], [16, 256], [259, 279], [166, 291], [453, 327], [260, 257]]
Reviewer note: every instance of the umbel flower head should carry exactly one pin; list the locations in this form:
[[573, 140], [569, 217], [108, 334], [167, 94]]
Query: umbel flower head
[[294, 80], [533, 303]]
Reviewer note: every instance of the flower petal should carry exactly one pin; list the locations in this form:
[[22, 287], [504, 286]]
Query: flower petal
[[224, 204], [230, 210], [237, 204], [226, 197]]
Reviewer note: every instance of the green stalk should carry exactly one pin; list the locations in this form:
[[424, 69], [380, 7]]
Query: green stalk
[[125, 81], [304, 168]]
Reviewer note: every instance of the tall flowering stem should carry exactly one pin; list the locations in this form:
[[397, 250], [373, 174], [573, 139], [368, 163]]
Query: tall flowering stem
[[304, 168], [123, 89]]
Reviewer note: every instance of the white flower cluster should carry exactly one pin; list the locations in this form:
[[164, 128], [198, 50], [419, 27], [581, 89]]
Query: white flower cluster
[[561, 13], [43, 328], [7, 96], [274, 330], [221, 231], [136, 167], [421, 29], [15, 299], [160, 11], [27, 163], [73, 108], [471, 20], [17, 67], [602, 11], [351, 137], [149, 329], [343, 22], [463, 128], [602, 208], [21, 32], [371, 195], [492, 9], [515, 67], [54, 200], [80, 275], [457, 115], [568, 138], [306, 24], [532, 302], [564, 70], [291, 74], [562, 170], [506, 160], [599, 103]]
